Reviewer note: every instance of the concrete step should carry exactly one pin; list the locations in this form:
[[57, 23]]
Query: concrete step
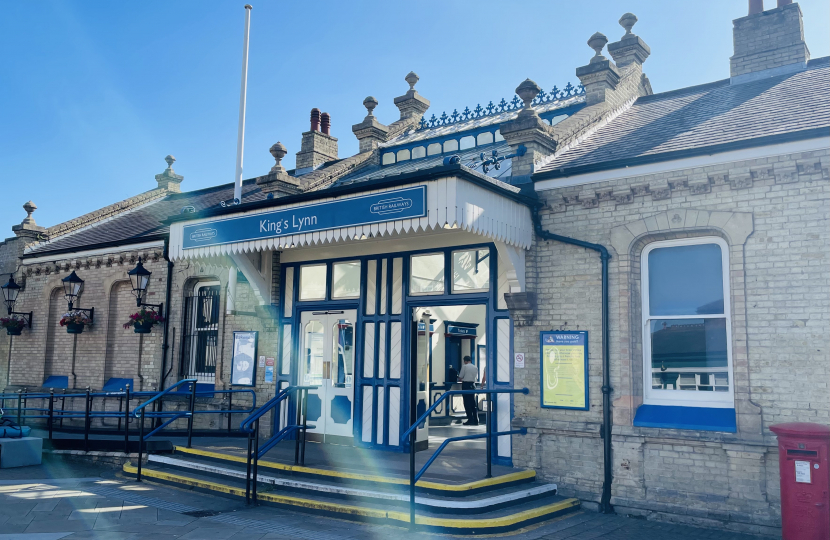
[[474, 503], [382, 481], [493, 521]]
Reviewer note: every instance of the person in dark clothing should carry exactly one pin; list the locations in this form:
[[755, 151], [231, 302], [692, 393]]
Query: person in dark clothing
[[467, 377]]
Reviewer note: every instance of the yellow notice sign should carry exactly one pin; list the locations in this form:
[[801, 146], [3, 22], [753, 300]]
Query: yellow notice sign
[[564, 370]]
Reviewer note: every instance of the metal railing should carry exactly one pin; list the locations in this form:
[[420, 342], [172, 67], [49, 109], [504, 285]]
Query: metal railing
[[489, 435], [251, 426], [141, 413], [55, 417]]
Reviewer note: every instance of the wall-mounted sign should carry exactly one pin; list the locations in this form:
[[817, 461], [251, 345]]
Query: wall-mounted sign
[[269, 361], [460, 330], [387, 206], [269, 374], [564, 370], [243, 366], [519, 360]]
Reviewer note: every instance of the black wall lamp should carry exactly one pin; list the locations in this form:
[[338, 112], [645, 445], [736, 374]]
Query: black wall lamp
[[10, 292], [73, 286], [140, 278]]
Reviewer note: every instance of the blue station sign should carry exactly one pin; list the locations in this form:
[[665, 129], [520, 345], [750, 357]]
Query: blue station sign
[[405, 203], [460, 330]]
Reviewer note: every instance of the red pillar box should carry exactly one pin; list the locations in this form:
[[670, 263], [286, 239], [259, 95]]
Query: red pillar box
[[805, 480]]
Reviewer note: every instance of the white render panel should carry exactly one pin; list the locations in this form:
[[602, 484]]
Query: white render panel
[[503, 350], [285, 365], [369, 350], [503, 424], [371, 286], [383, 266], [395, 350], [450, 201], [394, 415], [381, 409], [368, 398], [397, 285], [382, 350], [289, 291]]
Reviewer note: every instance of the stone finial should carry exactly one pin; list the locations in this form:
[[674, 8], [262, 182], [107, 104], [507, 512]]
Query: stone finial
[[597, 42], [29, 207], [412, 78], [628, 21], [412, 105], [279, 151], [28, 228], [168, 179], [527, 92], [370, 103]]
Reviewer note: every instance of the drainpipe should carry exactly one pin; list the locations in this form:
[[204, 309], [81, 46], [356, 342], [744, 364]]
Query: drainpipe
[[604, 256], [164, 340]]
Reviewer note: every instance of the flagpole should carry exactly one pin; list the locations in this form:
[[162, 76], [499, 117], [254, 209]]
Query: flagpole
[[240, 139]]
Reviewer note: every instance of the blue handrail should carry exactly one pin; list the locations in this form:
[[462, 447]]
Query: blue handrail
[[141, 407], [426, 414], [413, 477]]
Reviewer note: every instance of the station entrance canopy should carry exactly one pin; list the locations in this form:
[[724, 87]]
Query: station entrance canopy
[[481, 206]]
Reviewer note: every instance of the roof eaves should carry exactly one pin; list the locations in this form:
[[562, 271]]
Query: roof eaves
[[424, 175], [768, 140]]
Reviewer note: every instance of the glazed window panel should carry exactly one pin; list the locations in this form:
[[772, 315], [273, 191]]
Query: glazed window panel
[[419, 152], [313, 282], [345, 280], [686, 323], [388, 158], [471, 270], [426, 274]]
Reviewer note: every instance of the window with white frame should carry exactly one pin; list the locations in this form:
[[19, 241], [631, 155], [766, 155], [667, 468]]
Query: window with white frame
[[686, 323]]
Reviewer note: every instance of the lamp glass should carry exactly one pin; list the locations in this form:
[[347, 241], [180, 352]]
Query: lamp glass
[[72, 287], [10, 292], [140, 278]]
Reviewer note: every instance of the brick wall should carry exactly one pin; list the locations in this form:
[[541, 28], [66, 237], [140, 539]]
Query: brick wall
[[774, 213]]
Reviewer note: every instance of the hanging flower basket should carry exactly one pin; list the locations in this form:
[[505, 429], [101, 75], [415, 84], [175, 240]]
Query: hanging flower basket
[[75, 328], [144, 328], [74, 321], [13, 325], [144, 321]]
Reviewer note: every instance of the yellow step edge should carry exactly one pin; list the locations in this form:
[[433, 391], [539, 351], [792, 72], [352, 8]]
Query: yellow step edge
[[476, 484], [488, 523]]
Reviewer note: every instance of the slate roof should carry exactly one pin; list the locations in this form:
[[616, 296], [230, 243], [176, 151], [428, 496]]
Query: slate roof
[[144, 223], [702, 116]]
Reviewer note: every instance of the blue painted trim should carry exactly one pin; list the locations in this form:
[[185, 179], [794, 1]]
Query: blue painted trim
[[487, 298], [542, 371], [56, 381], [115, 384], [474, 132], [696, 418]]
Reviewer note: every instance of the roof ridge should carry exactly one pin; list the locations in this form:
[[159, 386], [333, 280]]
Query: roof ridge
[[108, 211]]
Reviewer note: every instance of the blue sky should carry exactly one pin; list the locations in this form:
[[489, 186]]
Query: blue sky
[[93, 95]]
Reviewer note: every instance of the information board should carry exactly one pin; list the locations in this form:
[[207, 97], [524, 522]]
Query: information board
[[564, 370]]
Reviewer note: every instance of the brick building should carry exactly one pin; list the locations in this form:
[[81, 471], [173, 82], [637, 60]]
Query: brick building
[[686, 232]]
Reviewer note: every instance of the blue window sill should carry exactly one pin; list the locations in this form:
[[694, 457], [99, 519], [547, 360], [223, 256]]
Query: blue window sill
[[697, 418]]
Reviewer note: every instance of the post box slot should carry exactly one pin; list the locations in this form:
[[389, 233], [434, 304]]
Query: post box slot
[[802, 453]]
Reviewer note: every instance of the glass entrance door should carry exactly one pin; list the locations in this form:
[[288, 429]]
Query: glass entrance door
[[327, 361]]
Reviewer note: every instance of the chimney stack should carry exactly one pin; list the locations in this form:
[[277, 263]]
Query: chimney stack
[[768, 43], [315, 119], [317, 146], [325, 123]]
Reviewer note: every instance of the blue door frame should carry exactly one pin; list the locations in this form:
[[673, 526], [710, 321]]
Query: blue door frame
[[409, 304]]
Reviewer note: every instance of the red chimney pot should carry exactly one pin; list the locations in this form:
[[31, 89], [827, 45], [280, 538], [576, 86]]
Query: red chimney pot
[[756, 6], [325, 121], [315, 119], [782, 3]]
